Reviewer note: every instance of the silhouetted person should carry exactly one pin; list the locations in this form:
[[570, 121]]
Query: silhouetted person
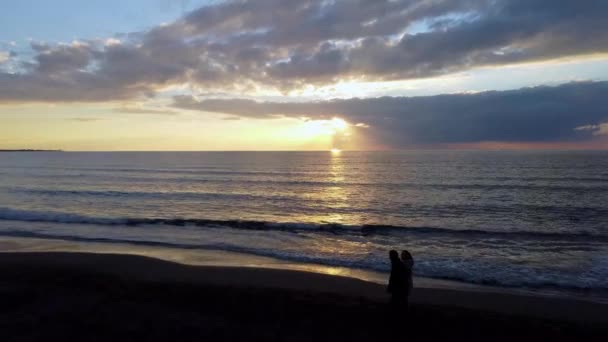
[[397, 282], [408, 262]]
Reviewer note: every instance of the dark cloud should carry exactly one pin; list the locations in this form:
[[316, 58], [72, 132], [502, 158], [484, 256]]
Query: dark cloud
[[294, 43], [509, 32], [62, 58], [251, 108], [570, 112], [75, 86]]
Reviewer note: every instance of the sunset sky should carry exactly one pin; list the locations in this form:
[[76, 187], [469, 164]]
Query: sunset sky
[[303, 75]]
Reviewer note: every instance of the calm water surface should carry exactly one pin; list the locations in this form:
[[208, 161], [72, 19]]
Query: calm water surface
[[513, 219]]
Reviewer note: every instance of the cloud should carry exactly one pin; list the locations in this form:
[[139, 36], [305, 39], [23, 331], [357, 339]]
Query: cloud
[[288, 44], [4, 56], [61, 59], [141, 110], [84, 119], [569, 112], [599, 129], [248, 108]]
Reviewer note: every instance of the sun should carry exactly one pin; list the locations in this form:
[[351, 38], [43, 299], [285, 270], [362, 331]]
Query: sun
[[315, 128], [335, 151], [322, 134], [338, 124]]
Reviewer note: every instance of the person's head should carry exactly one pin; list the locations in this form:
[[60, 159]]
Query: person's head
[[393, 255], [405, 255]]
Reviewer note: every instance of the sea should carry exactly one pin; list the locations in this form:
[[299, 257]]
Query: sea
[[508, 219]]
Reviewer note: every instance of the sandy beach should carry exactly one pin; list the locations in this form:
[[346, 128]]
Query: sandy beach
[[87, 296]]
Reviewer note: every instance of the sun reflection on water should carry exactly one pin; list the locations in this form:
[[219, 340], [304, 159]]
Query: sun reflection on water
[[337, 193]]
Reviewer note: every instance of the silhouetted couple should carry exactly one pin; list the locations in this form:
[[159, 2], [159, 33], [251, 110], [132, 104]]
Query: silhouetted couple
[[400, 281]]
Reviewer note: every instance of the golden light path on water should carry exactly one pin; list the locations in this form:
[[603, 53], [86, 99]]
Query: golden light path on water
[[334, 192]]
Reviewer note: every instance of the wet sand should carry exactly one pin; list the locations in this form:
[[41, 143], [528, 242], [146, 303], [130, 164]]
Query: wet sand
[[86, 296]]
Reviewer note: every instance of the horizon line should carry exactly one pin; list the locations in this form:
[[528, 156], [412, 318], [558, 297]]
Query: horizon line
[[328, 150]]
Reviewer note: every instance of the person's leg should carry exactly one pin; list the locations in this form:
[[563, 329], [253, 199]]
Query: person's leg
[[398, 303], [406, 303], [394, 320]]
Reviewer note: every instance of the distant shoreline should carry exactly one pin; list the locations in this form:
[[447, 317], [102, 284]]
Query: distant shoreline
[[31, 150]]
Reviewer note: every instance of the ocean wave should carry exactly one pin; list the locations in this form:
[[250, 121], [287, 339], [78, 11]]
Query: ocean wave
[[297, 203], [470, 271], [330, 228], [198, 175], [292, 195], [496, 185], [193, 171], [175, 195]]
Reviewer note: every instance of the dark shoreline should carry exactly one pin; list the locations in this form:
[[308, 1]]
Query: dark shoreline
[[84, 296], [29, 150], [15, 244]]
